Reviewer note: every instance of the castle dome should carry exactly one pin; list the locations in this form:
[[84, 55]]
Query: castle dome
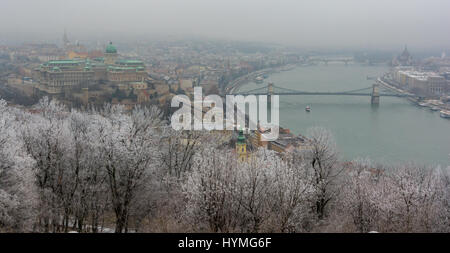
[[111, 49]]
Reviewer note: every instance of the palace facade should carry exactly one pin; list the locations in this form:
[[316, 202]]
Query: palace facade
[[57, 75]]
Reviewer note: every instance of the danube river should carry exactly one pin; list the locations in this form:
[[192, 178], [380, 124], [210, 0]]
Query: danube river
[[396, 131]]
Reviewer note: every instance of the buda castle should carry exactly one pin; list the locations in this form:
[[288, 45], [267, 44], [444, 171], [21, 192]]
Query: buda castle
[[58, 76]]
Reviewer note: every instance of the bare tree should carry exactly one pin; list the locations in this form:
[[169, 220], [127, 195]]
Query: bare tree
[[254, 190], [178, 149], [443, 214], [127, 144], [47, 140], [291, 191], [89, 195], [408, 199], [210, 204], [358, 199], [17, 192], [323, 159], [262, 194]]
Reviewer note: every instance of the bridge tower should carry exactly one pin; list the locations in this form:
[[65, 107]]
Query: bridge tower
[[269, 93], [375, 98]]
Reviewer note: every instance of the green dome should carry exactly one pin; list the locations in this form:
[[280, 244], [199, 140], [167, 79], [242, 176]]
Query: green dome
[[111, 49], [241, 137]]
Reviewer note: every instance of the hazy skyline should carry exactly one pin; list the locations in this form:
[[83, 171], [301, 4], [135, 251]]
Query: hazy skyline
[[345, 24]]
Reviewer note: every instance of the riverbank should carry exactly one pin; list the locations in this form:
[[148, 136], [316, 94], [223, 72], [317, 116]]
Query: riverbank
[[432, 104], [243, 80]]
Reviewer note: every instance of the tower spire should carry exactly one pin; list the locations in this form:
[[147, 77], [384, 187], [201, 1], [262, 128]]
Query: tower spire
[[65, 39], [241, 146]]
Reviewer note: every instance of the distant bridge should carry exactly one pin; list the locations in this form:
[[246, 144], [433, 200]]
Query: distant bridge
[[372, 92], [325, 60]]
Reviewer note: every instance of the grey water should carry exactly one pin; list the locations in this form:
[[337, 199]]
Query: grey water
[[395, 132]]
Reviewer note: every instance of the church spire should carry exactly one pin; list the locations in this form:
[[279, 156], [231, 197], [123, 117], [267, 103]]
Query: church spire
[[65, 39], [241, 146]]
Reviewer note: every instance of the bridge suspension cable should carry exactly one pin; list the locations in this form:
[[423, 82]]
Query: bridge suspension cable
[[263, 90], [350, 91]]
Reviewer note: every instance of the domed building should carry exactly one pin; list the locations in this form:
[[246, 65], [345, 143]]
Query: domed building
[[110, 54], [59, 75], [111, 48], [122, 71], [404, 59]]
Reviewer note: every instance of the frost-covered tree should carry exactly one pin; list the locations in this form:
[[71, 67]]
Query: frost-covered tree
[[263, 194], [47, 140], [358, 199], [322, 157], [178, 149], [443, 213], [64, 169], [17, 192], [89, 192], [127, 147], [273, 193], [291, 191], [255, 188], [408, 199], [210, 204]]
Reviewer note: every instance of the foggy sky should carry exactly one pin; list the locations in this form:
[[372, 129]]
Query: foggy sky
[[303, 23]]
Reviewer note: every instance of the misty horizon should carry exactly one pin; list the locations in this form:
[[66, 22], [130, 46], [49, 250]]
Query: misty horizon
[[383, 25]]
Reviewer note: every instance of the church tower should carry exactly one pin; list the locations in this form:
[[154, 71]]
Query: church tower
[[65, 40], [110, 54], [241, 147]]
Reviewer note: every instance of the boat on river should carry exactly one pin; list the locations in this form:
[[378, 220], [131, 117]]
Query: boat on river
[[445, 114], [259, 79], [434, 108], [308, 108]]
